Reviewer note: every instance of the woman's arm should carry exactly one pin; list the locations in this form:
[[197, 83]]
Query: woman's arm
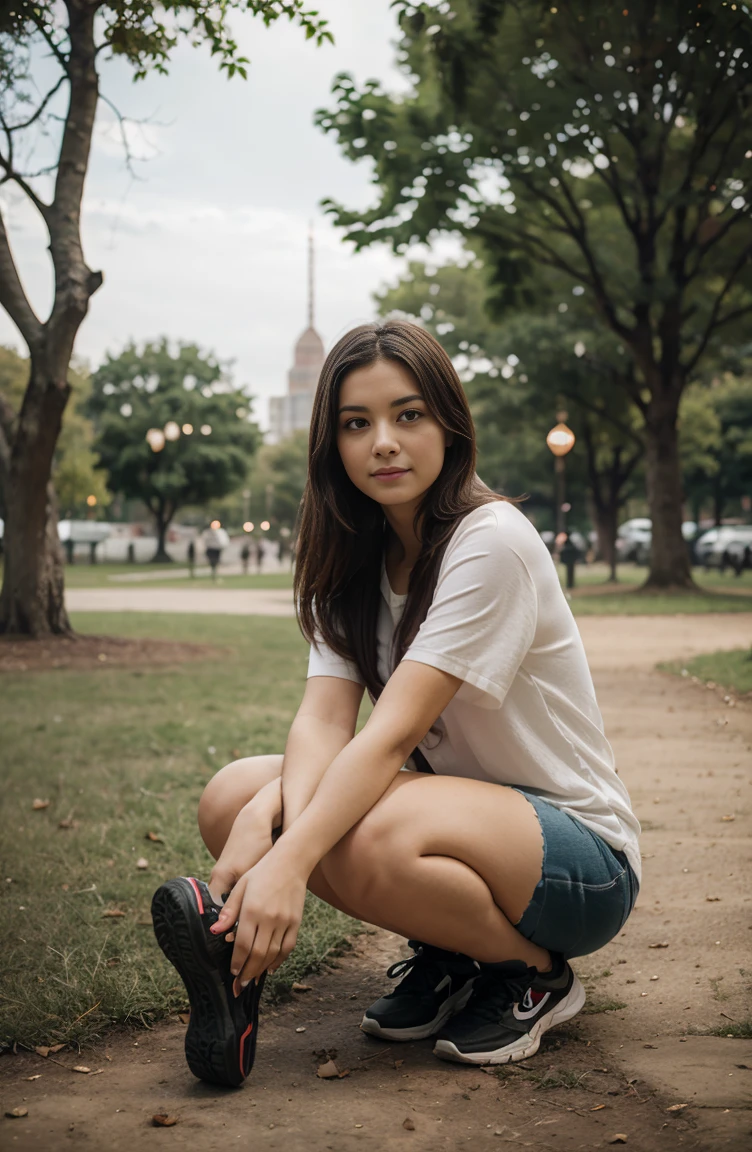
[[414, 697], [324, 725]]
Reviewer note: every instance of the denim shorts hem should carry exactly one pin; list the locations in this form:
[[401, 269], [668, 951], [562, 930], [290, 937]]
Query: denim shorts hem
[[587, 888]]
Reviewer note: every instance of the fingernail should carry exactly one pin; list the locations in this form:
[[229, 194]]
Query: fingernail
[[244, 983], [234, 971]]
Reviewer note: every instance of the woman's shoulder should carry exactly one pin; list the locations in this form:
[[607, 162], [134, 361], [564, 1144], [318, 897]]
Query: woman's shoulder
[[501, 525]]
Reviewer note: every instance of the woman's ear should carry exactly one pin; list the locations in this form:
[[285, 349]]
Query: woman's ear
[[448, 438]]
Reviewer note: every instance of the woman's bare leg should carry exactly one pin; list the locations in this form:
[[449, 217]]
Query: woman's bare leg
[[454, 864], [231, 789], [450, 861]]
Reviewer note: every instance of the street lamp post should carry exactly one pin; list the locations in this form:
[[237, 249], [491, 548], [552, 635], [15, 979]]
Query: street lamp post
[[561, 440]]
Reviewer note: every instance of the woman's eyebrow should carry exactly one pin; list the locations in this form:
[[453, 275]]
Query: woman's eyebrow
[[394, 404]]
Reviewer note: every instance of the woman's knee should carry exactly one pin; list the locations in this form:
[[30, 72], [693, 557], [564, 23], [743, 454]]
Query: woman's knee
[[231, 789], [369, 859]]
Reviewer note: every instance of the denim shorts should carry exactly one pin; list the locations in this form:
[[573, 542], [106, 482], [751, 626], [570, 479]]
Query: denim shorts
[[586, 891]]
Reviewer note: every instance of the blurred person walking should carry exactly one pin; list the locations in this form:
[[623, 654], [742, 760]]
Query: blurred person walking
[[215, 539]]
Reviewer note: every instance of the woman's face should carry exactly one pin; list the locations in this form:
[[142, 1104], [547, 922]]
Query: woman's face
[[392, 447]]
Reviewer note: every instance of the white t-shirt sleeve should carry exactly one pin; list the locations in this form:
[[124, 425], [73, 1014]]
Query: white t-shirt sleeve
[[483, 616], [322, 661]]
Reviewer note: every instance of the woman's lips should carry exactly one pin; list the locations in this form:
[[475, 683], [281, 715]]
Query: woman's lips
[[395, 475]]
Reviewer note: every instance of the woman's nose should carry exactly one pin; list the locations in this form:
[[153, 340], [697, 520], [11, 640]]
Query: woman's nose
[[385, 442]]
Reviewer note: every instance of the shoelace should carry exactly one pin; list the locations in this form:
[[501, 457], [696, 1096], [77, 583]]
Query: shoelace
[[422, 972], [493, 995]]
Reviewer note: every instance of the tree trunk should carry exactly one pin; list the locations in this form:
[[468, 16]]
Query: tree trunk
[[31, 602], [669, 556], [161, 556], [605, 525]]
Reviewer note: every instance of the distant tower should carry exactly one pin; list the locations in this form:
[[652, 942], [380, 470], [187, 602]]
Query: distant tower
[[293, 411]]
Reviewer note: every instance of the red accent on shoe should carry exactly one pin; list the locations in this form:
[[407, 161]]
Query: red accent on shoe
[[242, 1046], [196, 889], [536, 997]]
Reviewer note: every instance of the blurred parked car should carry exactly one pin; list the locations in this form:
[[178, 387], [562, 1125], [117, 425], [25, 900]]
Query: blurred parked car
[[739, 549], [729, 546], [634, 538], [631, 536]]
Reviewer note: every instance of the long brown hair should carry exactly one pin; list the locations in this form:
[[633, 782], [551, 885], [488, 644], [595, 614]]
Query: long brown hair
[[343, 532]]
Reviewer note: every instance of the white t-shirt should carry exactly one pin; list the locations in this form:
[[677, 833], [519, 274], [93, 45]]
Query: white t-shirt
[[526, 714]]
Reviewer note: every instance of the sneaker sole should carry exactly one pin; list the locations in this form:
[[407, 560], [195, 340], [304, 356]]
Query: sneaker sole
[[213, 1049], [528, 1044], [421, 1031]]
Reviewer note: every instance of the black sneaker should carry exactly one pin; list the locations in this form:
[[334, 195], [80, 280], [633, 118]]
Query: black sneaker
[[510, 1008], [221, 1039], [436, 984]]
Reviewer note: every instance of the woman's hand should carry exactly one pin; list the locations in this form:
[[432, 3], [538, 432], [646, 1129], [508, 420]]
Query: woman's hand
[[267, 903], [249, 840]]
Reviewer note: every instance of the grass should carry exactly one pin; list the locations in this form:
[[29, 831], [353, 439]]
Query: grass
[[594, 1007], [732, 669], [160, 576], [740, 1030], [121, 753]]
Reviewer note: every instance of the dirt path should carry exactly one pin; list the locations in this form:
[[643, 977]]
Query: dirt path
[[684, 752]]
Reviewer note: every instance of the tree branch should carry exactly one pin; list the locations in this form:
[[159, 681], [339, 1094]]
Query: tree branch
[[12, 296], [714, 321], [38, 20]]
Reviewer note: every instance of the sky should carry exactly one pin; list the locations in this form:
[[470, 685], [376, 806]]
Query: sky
[[207, 240]]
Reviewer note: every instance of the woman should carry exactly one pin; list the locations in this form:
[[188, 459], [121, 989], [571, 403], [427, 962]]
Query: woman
[[513, 847]]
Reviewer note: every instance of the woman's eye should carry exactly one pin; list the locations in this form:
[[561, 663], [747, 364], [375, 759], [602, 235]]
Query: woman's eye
[[411, 415], [355, 423]]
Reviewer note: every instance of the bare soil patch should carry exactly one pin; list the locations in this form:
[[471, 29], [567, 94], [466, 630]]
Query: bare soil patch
[[83, 653], [573, 1095]]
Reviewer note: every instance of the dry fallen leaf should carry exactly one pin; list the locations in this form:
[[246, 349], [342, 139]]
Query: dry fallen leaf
[[142, 862], [328, 1071], [37, 1076], [155, 839], [81, 1068], [162, 1120], [38, 805], [301, 1029], [713, 899], [68, 824], [112, 912], [301, 987], [597, 1107], [15, 1113], [408, 1123], [725, 819], [45, 1049], [677, 1107], [184, 1017], [618, 1138], [663, 944]]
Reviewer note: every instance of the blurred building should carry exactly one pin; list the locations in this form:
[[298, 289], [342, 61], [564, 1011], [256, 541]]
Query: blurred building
[[292, 411]]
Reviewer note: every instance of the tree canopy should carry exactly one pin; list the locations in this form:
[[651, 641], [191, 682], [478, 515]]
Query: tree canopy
[[606, 146], [200, 444]]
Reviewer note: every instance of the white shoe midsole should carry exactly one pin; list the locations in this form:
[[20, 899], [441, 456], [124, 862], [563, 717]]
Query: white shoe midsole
[[528, 1044], [420, 1032]]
